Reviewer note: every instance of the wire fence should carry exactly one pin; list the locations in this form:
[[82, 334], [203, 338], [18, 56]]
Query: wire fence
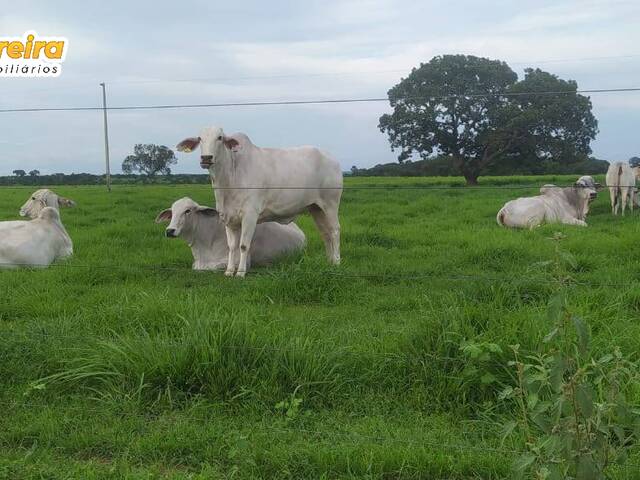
[[391, 276], [333, 435], [353, 436], [322, 101], [463, 188]]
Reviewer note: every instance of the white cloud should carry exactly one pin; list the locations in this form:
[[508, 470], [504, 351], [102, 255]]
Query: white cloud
[[575, 13]]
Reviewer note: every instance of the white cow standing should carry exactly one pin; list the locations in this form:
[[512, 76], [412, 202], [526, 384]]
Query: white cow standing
[[43, 198], [254, 185], [568, 205], [203, 230], [621, 180], [34, 243]]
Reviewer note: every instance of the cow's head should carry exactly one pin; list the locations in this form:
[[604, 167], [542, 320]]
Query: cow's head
[[181, 215], [587, 188], [43, 198], [212, 142]]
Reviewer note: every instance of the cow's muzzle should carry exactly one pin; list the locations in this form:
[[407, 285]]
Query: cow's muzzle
[[170, 232], [206, 161]]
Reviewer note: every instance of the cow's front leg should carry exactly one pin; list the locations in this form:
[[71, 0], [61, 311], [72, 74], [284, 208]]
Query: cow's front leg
[[233, 237], [249, 221]]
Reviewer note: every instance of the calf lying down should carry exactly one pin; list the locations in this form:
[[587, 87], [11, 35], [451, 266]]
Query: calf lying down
[[36, 242], [568, 205], [205, 233]]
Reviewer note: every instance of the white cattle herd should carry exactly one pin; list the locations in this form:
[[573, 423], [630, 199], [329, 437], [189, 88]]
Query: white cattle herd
[[260, 191]]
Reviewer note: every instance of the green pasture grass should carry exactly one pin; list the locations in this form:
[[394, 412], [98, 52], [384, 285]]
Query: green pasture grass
[[122, 362]]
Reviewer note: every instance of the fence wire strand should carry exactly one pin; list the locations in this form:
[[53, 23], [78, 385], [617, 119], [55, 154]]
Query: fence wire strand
[[569, 282], [462, 188], [354, 437], [321, 101]]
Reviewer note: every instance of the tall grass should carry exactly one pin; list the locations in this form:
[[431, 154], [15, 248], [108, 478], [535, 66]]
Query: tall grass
[[209, 357]]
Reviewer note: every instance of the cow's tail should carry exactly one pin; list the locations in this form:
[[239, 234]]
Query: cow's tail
[[500, 217], [619, 177], [620, 171], [618, 187]]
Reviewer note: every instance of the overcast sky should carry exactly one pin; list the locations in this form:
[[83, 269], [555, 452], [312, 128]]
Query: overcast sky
[[288, 50]]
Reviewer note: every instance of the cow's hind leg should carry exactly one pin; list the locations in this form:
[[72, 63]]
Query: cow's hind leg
[[614, 203], [329, 226], [624, 194], [233, 239]]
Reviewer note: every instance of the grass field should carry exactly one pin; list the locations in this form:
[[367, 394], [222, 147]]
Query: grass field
[[301, 370]]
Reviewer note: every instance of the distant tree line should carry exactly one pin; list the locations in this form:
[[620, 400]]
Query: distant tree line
[[91, 179], [442, 166], [152, 162]]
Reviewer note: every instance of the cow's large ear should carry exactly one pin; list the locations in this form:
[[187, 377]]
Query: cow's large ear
[[66, 202], [231, 143], [164, 216], [188, 144], [210, 212]]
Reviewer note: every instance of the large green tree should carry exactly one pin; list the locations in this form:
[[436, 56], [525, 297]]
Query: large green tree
[[475, 112], [554, 124], [150, 159]]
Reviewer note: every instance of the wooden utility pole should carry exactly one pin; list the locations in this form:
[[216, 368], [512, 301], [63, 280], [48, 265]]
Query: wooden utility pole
[[106, 136]]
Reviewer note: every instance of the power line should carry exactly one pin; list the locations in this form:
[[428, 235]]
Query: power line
[[318, 102]]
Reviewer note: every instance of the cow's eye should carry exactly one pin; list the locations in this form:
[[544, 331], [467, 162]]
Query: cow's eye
[[187, 211], [220, 137]]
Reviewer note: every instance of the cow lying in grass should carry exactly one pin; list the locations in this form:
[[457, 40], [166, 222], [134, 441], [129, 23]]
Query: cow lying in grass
[[34, 243], [568, 205], [204, 231], [43, 198]]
